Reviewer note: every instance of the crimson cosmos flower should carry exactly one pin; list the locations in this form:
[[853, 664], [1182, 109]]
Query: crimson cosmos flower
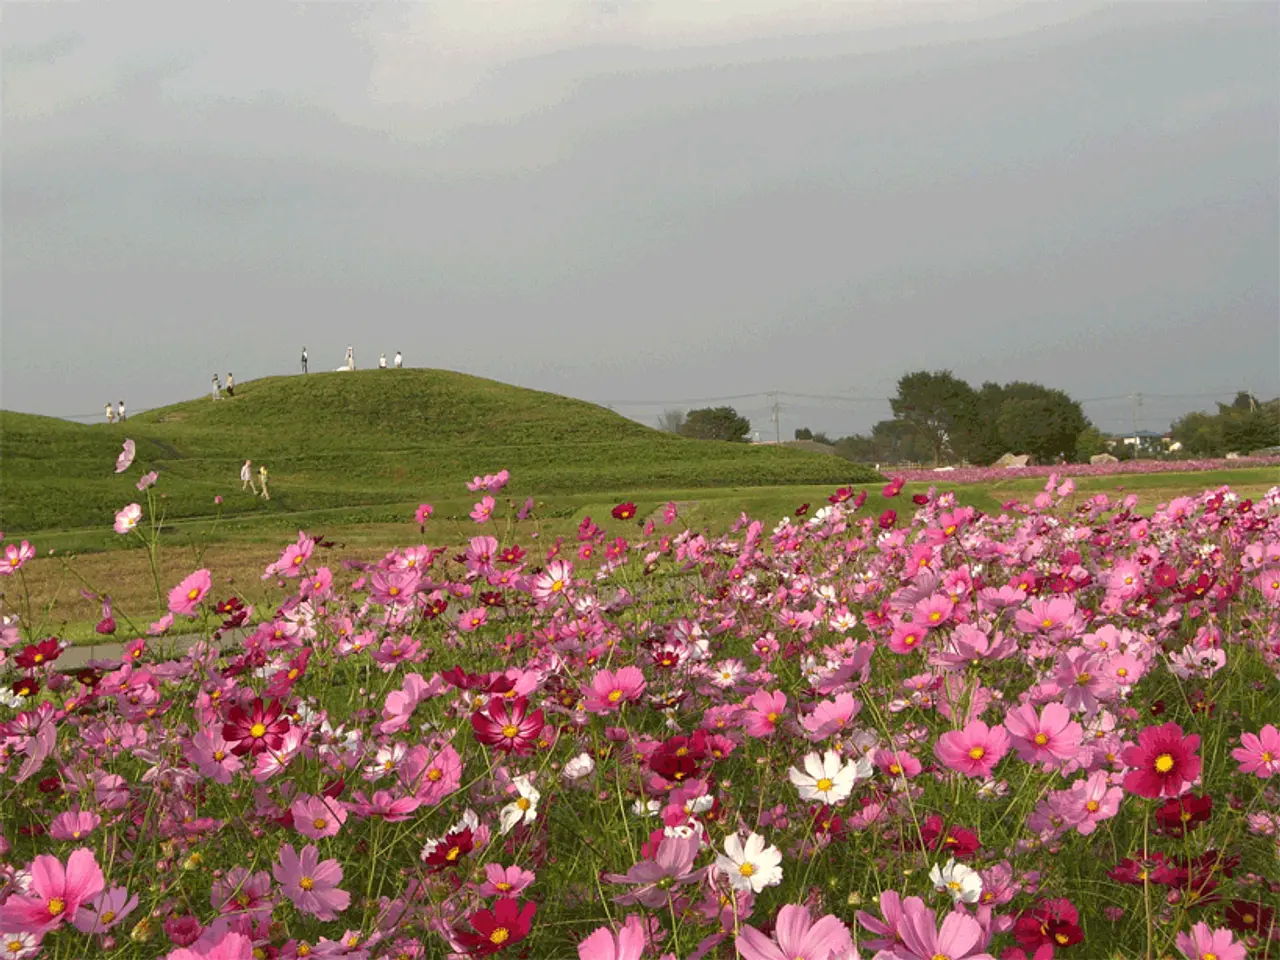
[[506, 924], [624, 511], [1163, 762], [257, 729], [508, 726], [38, 654]]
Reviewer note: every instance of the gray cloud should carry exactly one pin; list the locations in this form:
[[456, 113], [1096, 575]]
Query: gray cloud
[[1088, 200]]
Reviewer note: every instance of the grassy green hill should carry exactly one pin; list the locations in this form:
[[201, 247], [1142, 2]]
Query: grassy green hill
[[366, 438]]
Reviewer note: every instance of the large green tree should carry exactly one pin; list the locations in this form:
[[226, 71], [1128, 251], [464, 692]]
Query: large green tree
[[716, 423], [940, 407], [1038, 420]]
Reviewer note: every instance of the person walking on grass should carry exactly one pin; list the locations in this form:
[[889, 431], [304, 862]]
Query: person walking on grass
[[304, 359], [120, 413], [246, 478], [111, 413], [399, 360], [231, 385], [262, 480], [217, 388]]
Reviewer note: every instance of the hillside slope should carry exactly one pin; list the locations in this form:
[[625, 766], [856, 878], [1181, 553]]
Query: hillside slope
[[365, 438]]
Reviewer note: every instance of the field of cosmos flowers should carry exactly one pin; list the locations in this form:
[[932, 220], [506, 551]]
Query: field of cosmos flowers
[[910, 732]]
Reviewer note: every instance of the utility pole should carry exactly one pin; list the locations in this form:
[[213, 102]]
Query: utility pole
[[777, 429], [1137, 408]]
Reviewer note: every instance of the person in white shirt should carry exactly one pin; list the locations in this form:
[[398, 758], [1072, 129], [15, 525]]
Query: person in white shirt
[[382, 362], [246, 477], [120, 412], [217, 388], [399, 360], [304, 359], [262, 479], [231, 385], [351, 359], [111, 414]]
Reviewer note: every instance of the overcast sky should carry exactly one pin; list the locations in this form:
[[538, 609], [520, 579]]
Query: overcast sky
[[645, 201]]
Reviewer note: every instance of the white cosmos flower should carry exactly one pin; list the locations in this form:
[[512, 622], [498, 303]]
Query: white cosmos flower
[[579, 767], [646, 808], [964, 885], [827, 778], [753, 865], [524, 809]]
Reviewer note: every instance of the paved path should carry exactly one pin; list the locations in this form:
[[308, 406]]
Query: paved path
[[79, 656]]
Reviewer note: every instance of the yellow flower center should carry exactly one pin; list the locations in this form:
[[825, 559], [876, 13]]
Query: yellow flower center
[[258, 730], [747, 869], [895, 769], [1041, 739], [1046, 623], [434, 774], [557, 586], [193, 593], [500, 935], [977, 753], [503, 886], [1266, 756], [1164, 763], [219, 755], [524, 803], [306, 883], [319, 823], [509, 731], [824, 785], [56, 906], [615, 696], [935, 616], [107, 916], [1092, 806], [394, 591], [1083, 679], [771, 716]]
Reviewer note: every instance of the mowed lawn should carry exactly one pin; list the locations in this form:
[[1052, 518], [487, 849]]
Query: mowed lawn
[[237, 550]]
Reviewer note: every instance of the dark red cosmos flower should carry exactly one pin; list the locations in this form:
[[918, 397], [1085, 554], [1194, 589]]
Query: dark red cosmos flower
[[827, 822], [680, 758], [841, 495], [505, 925], [228, 606], [802, 510], [624, 511], [106, 626], [1185, 813], [435, 607], [1165, 576], [1052, 922], [450, 850], [920, 499], [512, 554], [25, 686], [1246, 917], [508, 726], [38, 654], [1137, 871], [257, 729], [888, 519], [1162, 762], [491, 598], [894, 487]]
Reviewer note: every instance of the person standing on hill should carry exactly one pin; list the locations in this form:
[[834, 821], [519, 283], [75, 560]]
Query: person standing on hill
[[399, 360], [111, 413], [246, 478], [231, 385], [351, 358], [262, 480], [382, 362], [304, 359], [120, 412], [217, 388]]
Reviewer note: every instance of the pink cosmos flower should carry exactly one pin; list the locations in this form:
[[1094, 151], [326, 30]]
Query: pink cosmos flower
[[312, 885], [610, 689], [149, 480], [231, 946], [1091, 801], [185, 598], [74, 825], [503, 881], [55, 893], [423, 514], [15, 557], [1259, 753], [667, 867], [317, 817], [128, 518], [889, 930], [1084, 681], [483, 510], [764, 709], [1206, 943], [795, 937], [554, 581], [973, 751], [106, 910], [960, 938], [126, 456], [1050, 739], [627, 944], [160, 626], [1164, 762]]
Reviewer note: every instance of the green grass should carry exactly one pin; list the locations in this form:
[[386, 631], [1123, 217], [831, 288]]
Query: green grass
[[365, 440]]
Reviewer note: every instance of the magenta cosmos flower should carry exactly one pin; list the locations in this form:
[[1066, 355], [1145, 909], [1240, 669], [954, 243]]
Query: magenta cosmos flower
[[186, 596], [610, 689], [973, 751], [312, 885], [259, 728], [796, 937], [627, 944], [55, 894], [1259, 752], [960, 938], [1164, 763]]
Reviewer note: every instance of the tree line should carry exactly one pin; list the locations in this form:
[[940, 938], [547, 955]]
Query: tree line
[[938, 417]]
